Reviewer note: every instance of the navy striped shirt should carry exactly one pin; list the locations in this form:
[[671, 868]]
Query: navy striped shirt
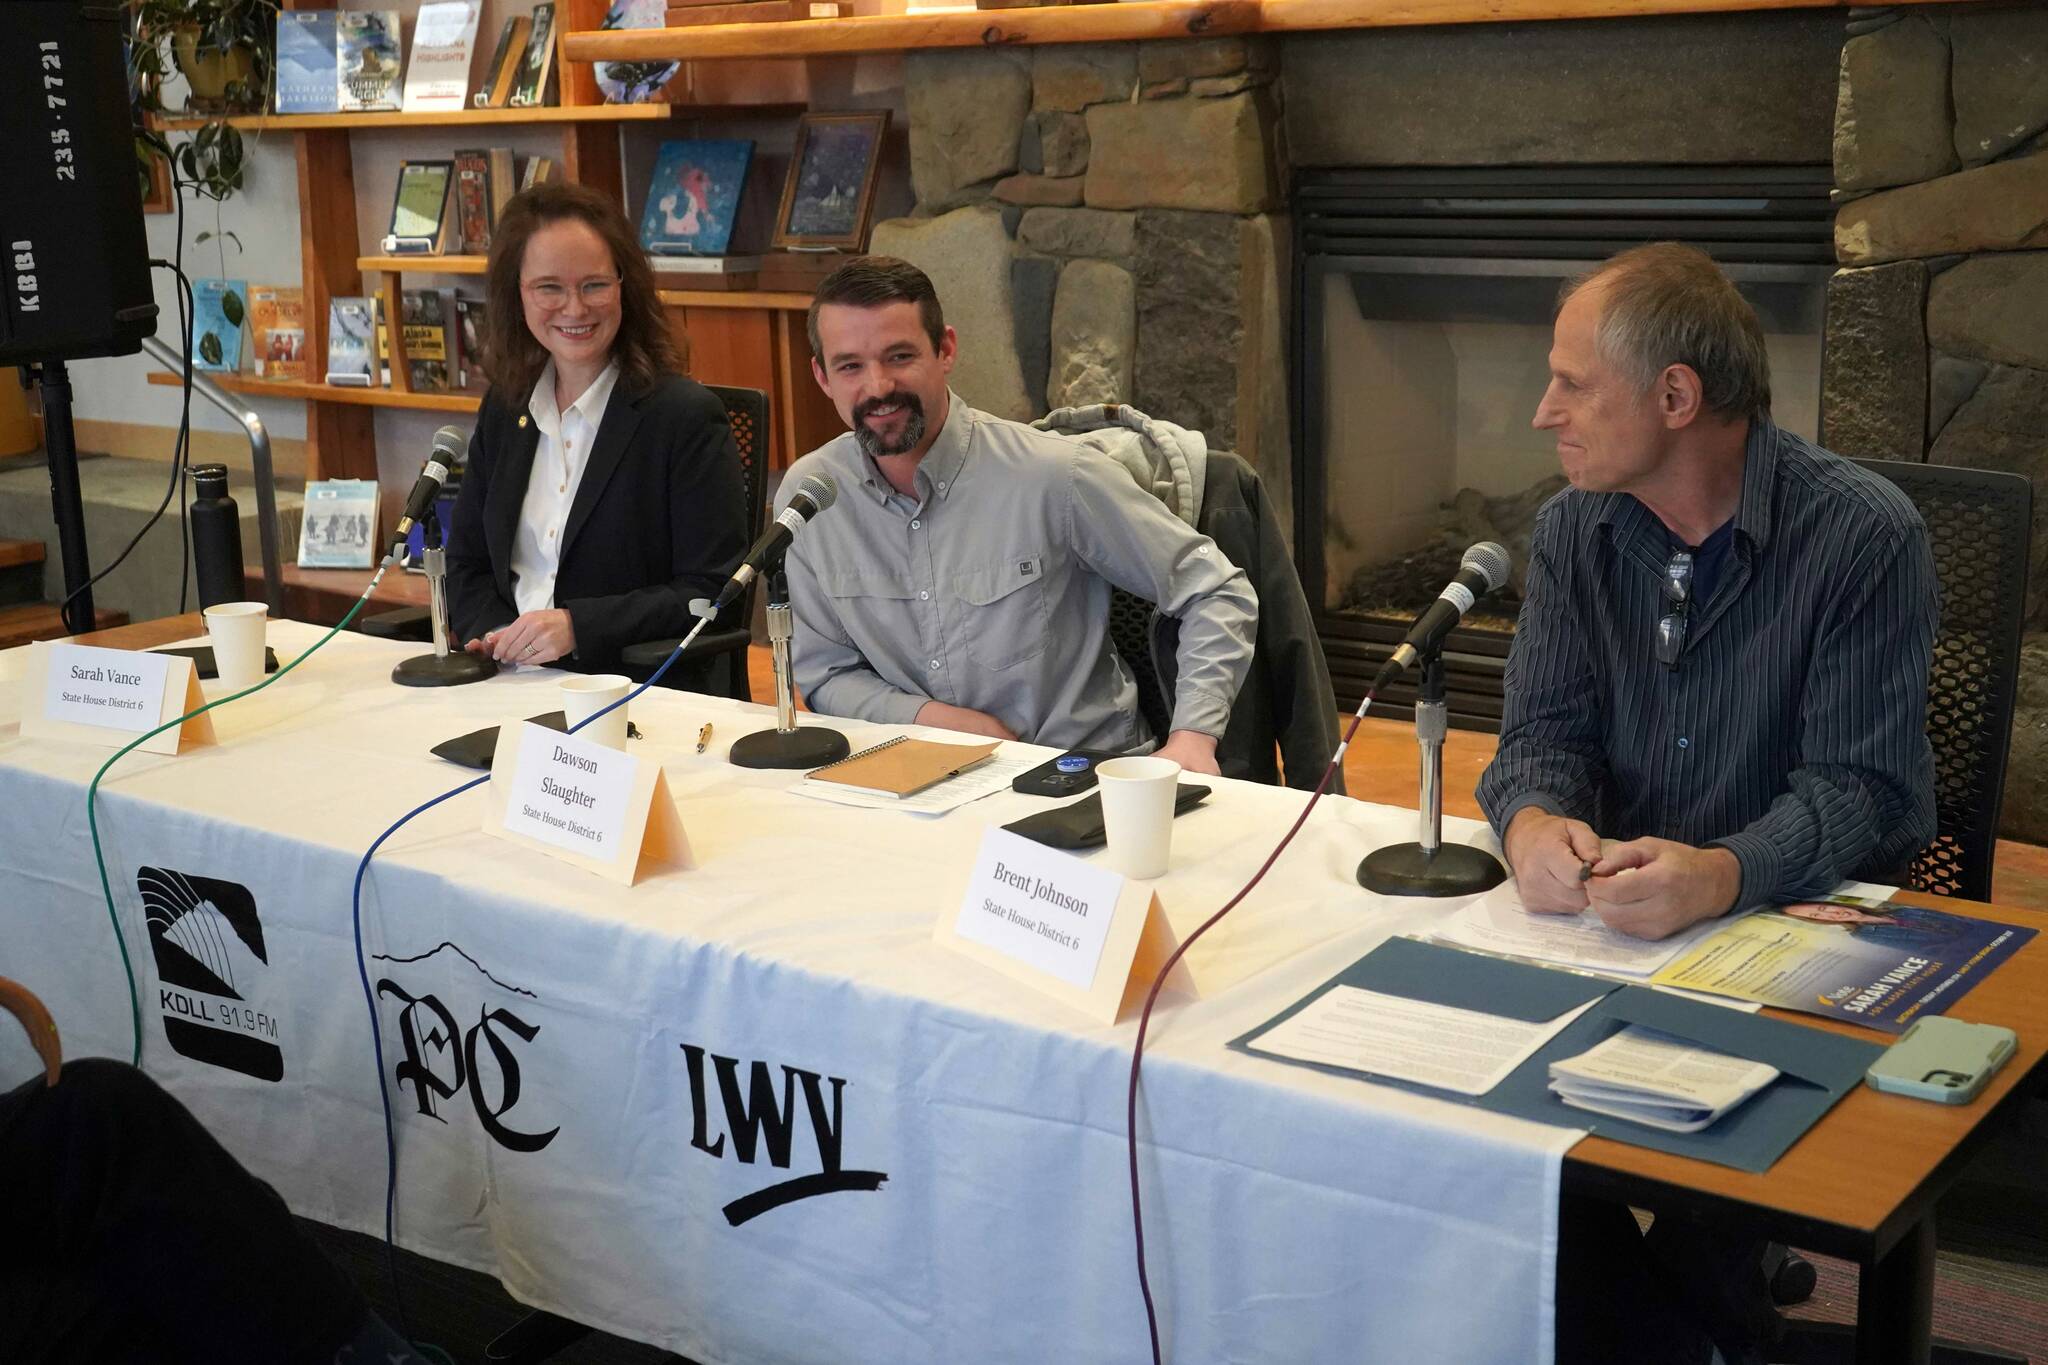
[[1792, 732]]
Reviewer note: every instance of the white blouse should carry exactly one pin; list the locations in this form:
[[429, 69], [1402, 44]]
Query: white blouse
[[558, 463]]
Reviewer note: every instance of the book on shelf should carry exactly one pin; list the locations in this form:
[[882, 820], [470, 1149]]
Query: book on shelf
[[538, 170], [430, 345], [694, 196], [535, 85], [634, 82], [307, 82], [369, 59], [745, 12], [338, 529], [504, 181], [494, 89], [469, 347], [277, 332], [423, 221], [443, 36], [351, 322], [473, 202], [219, 308], [383, 342]]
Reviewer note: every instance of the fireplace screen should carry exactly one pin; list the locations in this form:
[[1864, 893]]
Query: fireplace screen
[[1424, 343]]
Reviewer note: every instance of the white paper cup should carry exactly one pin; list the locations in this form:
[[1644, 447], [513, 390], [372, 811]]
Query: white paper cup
[[238, 631], [1137, 812], [585, 696]]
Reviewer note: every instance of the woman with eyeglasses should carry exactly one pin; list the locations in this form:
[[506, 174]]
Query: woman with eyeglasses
[[602, 490]]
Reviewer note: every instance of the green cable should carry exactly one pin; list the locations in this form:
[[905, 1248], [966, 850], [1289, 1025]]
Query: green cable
[[92, 796]]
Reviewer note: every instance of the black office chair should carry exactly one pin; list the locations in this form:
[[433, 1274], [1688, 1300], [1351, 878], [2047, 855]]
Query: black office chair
[[1980, 525], [727, 638], [1131, 622]]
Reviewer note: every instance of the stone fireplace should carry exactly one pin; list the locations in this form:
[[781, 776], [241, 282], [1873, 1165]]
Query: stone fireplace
[[1132, 221]]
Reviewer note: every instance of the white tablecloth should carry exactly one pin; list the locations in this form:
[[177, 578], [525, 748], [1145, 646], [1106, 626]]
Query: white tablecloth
[[553, 1049]]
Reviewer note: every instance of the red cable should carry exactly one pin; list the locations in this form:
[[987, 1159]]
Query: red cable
[[1145, 1017]]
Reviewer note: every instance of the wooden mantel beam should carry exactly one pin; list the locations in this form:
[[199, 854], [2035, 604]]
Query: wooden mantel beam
[[1109, 23]]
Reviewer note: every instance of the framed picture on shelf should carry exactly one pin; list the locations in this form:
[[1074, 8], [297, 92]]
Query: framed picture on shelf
[[157, 196], [830, 193]]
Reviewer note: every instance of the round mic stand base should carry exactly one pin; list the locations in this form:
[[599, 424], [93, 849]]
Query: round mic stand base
[[786, 746], [804, 747], [1411, 870], [443, 670]]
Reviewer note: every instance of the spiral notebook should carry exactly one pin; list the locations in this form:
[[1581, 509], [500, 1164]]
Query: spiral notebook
[[903, 766]]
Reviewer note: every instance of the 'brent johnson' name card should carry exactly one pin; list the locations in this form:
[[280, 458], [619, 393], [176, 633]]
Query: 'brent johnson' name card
[[109, 696], [1075, 930], [587, 804]]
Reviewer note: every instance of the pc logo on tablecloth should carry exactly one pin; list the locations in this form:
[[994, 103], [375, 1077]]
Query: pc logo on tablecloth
[[210, 960]]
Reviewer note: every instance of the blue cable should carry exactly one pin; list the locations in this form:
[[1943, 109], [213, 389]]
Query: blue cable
[[370, 1000]]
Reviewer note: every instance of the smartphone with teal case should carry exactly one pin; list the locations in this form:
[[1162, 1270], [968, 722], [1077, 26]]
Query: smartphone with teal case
[[1943, 1059]]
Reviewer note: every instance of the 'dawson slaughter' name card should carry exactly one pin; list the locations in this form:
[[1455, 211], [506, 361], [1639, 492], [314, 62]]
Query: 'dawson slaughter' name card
[[599, 808]]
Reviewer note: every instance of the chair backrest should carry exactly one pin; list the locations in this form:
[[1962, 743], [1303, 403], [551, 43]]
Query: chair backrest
[[1130, 630], [747, 411], [1980, 524]]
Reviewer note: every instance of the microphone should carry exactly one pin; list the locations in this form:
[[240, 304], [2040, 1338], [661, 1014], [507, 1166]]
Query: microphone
[[816, 493], [1483, 569], [450, 443]]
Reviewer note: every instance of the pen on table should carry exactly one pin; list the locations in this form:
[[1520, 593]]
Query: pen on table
[[703, 736]]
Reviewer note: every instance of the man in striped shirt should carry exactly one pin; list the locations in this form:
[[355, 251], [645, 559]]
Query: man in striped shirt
[[1722, 656], [1721, 662]]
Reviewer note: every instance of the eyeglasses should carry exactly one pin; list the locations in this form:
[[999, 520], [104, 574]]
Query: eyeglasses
[[1678, 593], [595, 293]]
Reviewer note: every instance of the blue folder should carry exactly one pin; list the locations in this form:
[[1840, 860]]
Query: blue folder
[[1819, 1066]]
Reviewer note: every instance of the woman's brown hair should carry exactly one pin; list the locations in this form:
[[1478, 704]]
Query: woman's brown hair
[[513, 358]]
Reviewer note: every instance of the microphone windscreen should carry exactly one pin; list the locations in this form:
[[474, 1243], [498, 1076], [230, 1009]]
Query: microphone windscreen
[[451, 443], [819, 488], [1490, 561]]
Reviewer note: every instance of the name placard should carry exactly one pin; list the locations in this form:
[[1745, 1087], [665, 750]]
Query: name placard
[[603, 810], [109, 696], [1075, 930]]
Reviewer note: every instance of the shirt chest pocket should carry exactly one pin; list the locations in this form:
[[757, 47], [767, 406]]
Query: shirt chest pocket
[[1007, 611], [872, 604]]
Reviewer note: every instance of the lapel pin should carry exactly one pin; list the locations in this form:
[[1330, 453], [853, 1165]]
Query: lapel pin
[[522, 421]]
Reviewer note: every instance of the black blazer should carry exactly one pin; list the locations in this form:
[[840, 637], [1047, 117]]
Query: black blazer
[[659, 518]]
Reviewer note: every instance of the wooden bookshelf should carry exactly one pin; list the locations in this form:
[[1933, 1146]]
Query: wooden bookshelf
[[424, 265], [451, 118], [312, 392], [1108, 23]]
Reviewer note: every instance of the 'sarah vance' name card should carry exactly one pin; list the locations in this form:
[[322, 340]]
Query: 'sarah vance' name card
[[107, 697], [1080, 932], [604, 810]]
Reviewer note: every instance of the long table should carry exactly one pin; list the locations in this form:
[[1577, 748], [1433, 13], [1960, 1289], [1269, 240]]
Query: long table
[[751, 1112]]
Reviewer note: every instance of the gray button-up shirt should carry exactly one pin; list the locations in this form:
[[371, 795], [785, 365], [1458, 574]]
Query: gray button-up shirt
[[1793, 731], [990, 589]]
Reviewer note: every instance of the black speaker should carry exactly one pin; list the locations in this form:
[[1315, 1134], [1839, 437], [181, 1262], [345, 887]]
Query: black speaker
[[76, 262]]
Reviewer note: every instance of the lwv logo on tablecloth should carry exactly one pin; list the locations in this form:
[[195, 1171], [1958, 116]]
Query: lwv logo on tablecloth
[[208, 944], [439, 1060], [761, 1118]]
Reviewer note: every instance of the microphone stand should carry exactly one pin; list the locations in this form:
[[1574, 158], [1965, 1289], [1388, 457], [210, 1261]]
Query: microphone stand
[[1430, 867], [786, 746], [445, 667]]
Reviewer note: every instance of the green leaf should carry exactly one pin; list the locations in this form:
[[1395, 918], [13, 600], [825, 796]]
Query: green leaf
[[209, 348], [231, 308], [202, 238]]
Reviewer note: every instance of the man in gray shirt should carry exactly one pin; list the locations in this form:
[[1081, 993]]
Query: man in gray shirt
[[962, 578]]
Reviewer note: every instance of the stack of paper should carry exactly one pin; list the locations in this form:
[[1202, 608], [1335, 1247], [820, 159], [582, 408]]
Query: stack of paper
[[1653, 1078], [1497, 923]]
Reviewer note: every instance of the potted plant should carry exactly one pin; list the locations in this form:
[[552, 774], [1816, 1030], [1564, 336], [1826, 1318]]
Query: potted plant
[[224, 49]]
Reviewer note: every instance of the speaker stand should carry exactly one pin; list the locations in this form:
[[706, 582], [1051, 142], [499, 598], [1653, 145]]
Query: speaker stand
[[787, 745], [445, 667], [1429, 867], [60, 447]]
